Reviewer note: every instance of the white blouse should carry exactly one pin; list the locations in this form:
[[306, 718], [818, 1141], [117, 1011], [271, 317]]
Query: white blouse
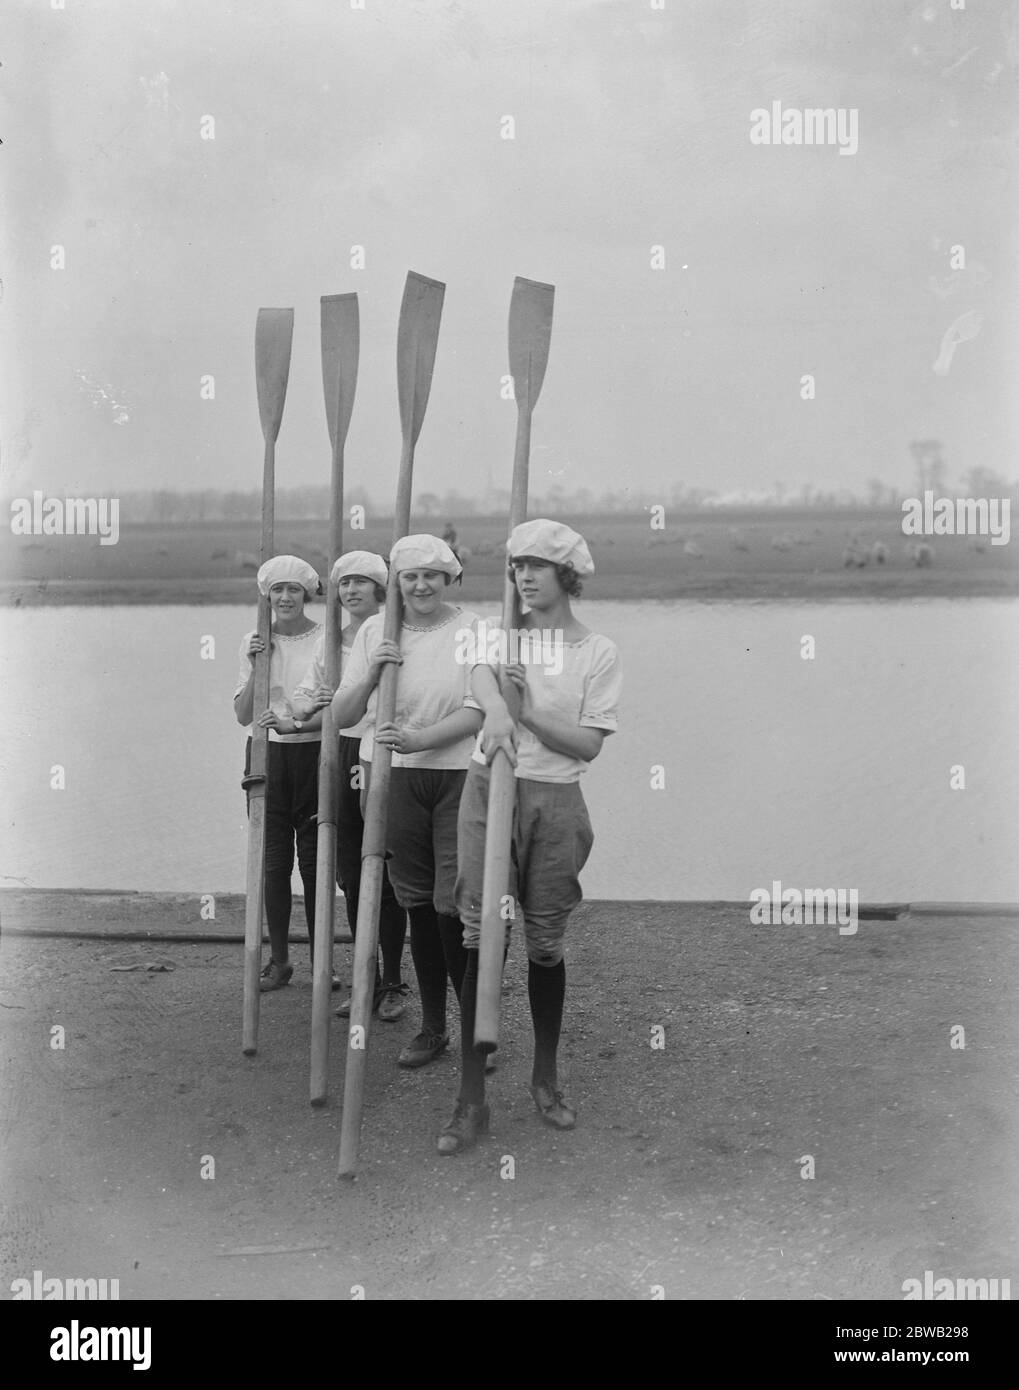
[[288, 662], [433, 682], [316, 676], [579, 681]]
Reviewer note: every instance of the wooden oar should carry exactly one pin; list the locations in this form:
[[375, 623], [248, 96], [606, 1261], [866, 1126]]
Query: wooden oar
[[530, 329], [417, 338], [274, 333], [340, 343]]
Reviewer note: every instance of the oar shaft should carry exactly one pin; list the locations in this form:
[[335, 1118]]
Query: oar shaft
[[416, 340], [340, 341], [254, 902], [325, 906], [322, 973], [361, 1004], [530, 324], [328, 799], [401, 526], [496, 908], [373, 859], [268, 502], [254, 889], [521, 470], [274, 332]]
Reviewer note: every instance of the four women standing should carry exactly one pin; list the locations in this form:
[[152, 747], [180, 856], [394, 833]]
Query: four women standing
[[569, 685]]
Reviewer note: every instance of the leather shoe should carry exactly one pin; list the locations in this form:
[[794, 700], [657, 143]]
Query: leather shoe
[[391, 1002], [469, 1122], [275, 976], [344, 1009], [423, 1049], [552, 1107]]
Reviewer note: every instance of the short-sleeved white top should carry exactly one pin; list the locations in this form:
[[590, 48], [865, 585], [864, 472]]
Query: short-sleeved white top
[[433, 682], [580, 681], [288, 662], [316, 675]]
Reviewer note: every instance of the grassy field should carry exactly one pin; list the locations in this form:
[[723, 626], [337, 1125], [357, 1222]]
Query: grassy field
[[704, 556]]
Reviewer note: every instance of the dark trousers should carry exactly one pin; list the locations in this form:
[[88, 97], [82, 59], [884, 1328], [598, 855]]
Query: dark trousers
[[349, 831], [291, 812]]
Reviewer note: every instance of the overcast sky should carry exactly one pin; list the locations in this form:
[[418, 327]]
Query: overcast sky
[[381, 127]]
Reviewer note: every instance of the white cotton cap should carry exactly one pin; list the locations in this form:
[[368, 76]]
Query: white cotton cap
[[362, 562], [424, 552], [287, 569], [550, 540]]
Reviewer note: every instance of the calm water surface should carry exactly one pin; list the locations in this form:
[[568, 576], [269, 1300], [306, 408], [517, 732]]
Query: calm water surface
[[833, 772]]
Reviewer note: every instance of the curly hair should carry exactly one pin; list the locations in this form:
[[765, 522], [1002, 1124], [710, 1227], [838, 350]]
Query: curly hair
[[569, 580]]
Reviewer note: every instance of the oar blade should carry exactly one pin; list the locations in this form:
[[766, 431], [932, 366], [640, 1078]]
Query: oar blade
[[530, 333], [274, 336], [416, 340], [341, 340]]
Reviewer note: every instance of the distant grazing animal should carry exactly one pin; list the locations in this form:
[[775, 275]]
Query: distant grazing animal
[[856, 553], [246, 561], [921, 554], [879, 552]]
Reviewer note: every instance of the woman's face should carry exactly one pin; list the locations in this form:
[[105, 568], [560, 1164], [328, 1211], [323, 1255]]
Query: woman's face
[[357, 595], [537, 583], [287, 601], [422, 591]]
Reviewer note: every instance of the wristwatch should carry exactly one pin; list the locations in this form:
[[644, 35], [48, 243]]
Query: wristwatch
[[298, 725]]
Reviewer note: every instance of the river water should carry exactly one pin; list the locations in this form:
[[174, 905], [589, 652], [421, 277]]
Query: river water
[[832, 772]]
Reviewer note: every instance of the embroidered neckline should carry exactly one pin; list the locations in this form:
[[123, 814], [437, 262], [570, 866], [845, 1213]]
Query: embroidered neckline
[[434, 627], [295, 636]]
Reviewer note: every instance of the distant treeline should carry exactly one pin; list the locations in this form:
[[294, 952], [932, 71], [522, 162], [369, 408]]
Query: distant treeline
[[312, 502], [309, 503]]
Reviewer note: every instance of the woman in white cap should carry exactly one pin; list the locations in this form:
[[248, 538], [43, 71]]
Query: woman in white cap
[[431, 737], [569, 682], [360, 578], [291, 800]]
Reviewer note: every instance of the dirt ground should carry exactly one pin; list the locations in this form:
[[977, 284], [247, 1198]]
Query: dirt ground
[[683, 1177]]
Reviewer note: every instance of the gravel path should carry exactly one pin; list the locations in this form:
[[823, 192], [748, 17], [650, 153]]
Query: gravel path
[[683, 1178]]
